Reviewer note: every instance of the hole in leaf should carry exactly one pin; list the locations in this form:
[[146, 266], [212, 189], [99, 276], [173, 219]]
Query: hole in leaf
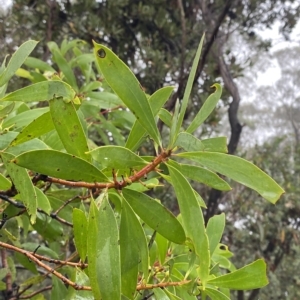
[[101, 53]]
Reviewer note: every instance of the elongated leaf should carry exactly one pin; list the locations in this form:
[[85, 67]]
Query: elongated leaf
[[189, 85], [155, 215], [218, 144], [59, 290], [17, 60], [68, 127], [7, 109], [165, 116], [80, 225], [132, 252], [36, 63], [34, 144], [193, 220], [24, 118], [5, 184], [239, 170], [215, 294], [126, 86], [156, 101], [42, 91], [252, 276], [214, 230], [63, 65], [202, 175], [103, 252], [42, 201], [23, 184], [117, 157], [160, 294], [206, 109], [60, 165], [36, 128], [174, 126], [188, 142]]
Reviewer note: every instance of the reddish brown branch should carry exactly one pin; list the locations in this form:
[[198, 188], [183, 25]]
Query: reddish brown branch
[[32, 257], [116, 184]]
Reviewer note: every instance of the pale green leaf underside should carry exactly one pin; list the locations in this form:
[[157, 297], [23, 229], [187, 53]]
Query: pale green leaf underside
[[239, 170]]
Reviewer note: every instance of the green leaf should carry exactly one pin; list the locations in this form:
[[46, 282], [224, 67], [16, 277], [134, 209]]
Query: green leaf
[[239, 170], [165, 116], [215, 294], [42, 201], [162, 246], [59, 290], [6, 109], [23, 184], [134, 250], [5, 184], [156, 101], [202, 175], [117, 157], [17, 60], [80, 225], [214, 230], [103, 252], [41, 91], [126, 86], [36, 128], [206, 109], [160, 294], [63, 65], [60, 165], [174, 126], [188, 142], [36, 63], [218, 144], [23, 118], [189, 85], [252, 276], [68, 127], [34, 144], [193, 221], [155, 215]]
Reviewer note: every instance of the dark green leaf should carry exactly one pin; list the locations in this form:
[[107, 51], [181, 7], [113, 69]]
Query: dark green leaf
[[80, 225], [42, 91], [23, 184], [36, 128], [63, 165], [126, 86], [103, 252], [68, 127], [117, 157], [156, 101], [193, 221], [155, 215], [132, 252]]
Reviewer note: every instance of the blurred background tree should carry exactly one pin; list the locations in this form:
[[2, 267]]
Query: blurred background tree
[[158, 40]]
